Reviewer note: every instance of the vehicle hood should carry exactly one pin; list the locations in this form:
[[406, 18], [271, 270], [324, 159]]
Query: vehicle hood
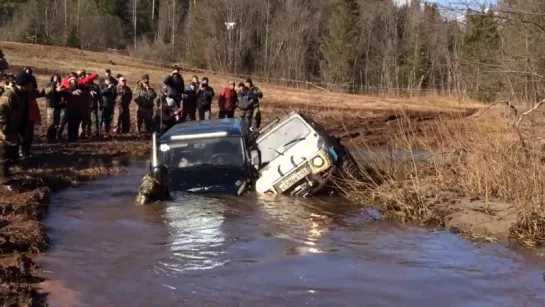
[[208, 179]]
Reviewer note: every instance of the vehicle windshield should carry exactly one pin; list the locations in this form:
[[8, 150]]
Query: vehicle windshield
[[224, 151], [282, 138]]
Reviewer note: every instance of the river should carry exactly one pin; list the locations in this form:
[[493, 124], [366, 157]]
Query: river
[[254, 251]]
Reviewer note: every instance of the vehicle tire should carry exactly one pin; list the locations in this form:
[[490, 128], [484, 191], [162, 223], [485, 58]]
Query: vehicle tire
[[350, 168]]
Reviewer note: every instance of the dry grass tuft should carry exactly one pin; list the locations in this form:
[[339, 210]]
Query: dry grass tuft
[[485, 158]]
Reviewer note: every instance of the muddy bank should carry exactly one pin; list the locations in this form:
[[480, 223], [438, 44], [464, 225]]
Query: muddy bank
[[49, 169], [473, 217]]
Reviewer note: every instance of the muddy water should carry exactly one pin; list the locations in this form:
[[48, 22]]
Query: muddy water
[[247, 251]]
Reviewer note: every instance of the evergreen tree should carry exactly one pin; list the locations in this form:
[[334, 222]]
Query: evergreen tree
[[339, 49], [480, 55]]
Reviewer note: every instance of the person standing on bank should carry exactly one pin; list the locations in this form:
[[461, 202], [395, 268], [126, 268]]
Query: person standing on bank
[[189, 106], [108, 93], [205, 94], [54, 103], [144, 98], [246, 103], [175, 88], [3, 63], [257, 94], [12, 119], [123, 101], [227, 101], [34, 116]]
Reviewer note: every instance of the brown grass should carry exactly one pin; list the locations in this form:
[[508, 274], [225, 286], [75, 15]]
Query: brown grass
[[480, 160], [48, 60]]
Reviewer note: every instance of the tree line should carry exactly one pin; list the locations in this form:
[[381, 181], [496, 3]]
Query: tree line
[[343, 45]]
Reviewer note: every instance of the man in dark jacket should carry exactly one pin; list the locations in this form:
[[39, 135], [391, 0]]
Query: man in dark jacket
[[3, 63], [205, 94], [246, 103], [54, 103], [144, 98], [227, 101], [257, 94], [175, 86], [33, 113], [108, 75], [106, 104], [189, 109]]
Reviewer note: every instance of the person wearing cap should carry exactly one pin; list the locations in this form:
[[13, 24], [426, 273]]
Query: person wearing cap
[[257, 94], [3, 62], [227, 101], [144, 97], [122, 115]]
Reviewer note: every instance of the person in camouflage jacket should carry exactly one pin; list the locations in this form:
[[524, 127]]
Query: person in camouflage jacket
[[122, 115], [154, 187], [144, 98]]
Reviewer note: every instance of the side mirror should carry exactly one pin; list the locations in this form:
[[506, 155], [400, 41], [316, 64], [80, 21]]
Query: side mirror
[[255, 157]]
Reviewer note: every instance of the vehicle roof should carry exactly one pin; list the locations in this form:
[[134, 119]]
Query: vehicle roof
[[233, 127]]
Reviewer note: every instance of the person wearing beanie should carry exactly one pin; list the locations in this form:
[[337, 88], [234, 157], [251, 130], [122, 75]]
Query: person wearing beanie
[[227, 101]]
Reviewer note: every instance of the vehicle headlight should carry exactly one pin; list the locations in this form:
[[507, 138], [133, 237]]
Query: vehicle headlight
[[318, 161]]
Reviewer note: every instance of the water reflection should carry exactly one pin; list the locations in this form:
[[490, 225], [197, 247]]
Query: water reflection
[[196, 234]]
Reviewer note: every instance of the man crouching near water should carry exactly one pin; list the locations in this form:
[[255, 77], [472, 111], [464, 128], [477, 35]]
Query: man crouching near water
[[154, 186]]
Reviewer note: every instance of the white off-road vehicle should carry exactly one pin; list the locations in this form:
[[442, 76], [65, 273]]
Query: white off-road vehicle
[[296, 156]]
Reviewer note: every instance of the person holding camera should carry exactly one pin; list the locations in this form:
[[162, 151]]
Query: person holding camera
[[175, 88]]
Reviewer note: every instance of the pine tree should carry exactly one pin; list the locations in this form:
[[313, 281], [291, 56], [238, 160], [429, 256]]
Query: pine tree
[[339, 49], [480, 55]]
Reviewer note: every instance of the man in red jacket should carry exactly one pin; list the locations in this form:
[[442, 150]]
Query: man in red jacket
[[227, 101], [82, 80]]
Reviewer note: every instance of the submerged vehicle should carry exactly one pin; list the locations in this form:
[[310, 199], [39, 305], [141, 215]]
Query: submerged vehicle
[[209, 156], [297, 156]]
